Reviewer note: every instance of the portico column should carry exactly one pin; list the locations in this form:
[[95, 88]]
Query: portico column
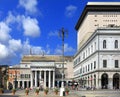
[[27, 84], [35, 78], [110, 83], [31, 79], [18, 84], [23, 84], [97, 82], [53, 79], [49, 79], [44, 79]]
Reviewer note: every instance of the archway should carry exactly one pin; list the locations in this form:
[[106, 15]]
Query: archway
[[104, 81], [116, 81], [10, 86]]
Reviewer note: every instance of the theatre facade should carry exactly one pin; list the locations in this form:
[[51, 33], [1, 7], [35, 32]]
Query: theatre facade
[[40, 71], [97, 61]]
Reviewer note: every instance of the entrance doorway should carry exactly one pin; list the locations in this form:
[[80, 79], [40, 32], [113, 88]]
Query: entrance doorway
[[104, 81], [116, 81]]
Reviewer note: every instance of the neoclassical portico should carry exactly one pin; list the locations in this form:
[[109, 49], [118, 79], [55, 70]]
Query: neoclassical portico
[[43, 76]]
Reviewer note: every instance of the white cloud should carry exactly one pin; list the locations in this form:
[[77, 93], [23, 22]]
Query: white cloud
[[15, 45], [3, 51], [67, 49], [70, 10], [58, 51], [48, 50], [10, 18], [29, 5], [53, 33], [6, 55], [35, 50], [10, 48], [26, 47], [4, 32], [31, 27]]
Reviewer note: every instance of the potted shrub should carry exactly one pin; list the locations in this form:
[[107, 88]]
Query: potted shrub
[[1, 90], [37, 91], [56, 90], [46, 91], [66, 91], [26, 91], [13, 91]]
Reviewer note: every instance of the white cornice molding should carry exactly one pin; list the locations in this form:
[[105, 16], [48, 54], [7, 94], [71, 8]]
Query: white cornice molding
[[103, 3]]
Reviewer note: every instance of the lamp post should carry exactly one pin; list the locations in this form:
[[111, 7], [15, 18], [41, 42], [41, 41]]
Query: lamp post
[[62, 34]]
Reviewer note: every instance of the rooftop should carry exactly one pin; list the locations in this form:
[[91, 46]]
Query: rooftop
[[103, 3], [45, 58]]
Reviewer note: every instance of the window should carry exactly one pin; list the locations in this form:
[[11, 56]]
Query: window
[[80, 70], [29, 75], [22, 75], [94, 64], [104, 63], [116, 43], [104, 43], [91, 48], [88, 67], [91, 66], [116, 63], [84, 55], [79, 59], [83, 69]]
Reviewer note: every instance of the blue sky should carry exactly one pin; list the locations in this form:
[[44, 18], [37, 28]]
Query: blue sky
[[35, 24]]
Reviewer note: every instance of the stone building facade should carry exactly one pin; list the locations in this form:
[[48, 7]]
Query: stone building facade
[[97, 61], [37, 70]]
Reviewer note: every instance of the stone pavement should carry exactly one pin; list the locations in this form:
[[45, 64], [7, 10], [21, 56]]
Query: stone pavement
[[99, 93], [21, 93], [85, 93]]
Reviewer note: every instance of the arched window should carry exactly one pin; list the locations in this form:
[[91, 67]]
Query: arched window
[[116, 43], [104, 43]]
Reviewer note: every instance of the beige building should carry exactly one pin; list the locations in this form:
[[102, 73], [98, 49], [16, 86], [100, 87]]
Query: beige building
[[42, 70], [95, 15], [97, 61]]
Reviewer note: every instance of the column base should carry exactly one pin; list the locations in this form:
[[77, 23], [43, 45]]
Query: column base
[[62, 91]]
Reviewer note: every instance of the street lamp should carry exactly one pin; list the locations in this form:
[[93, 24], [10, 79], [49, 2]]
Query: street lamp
[[62, 34]]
